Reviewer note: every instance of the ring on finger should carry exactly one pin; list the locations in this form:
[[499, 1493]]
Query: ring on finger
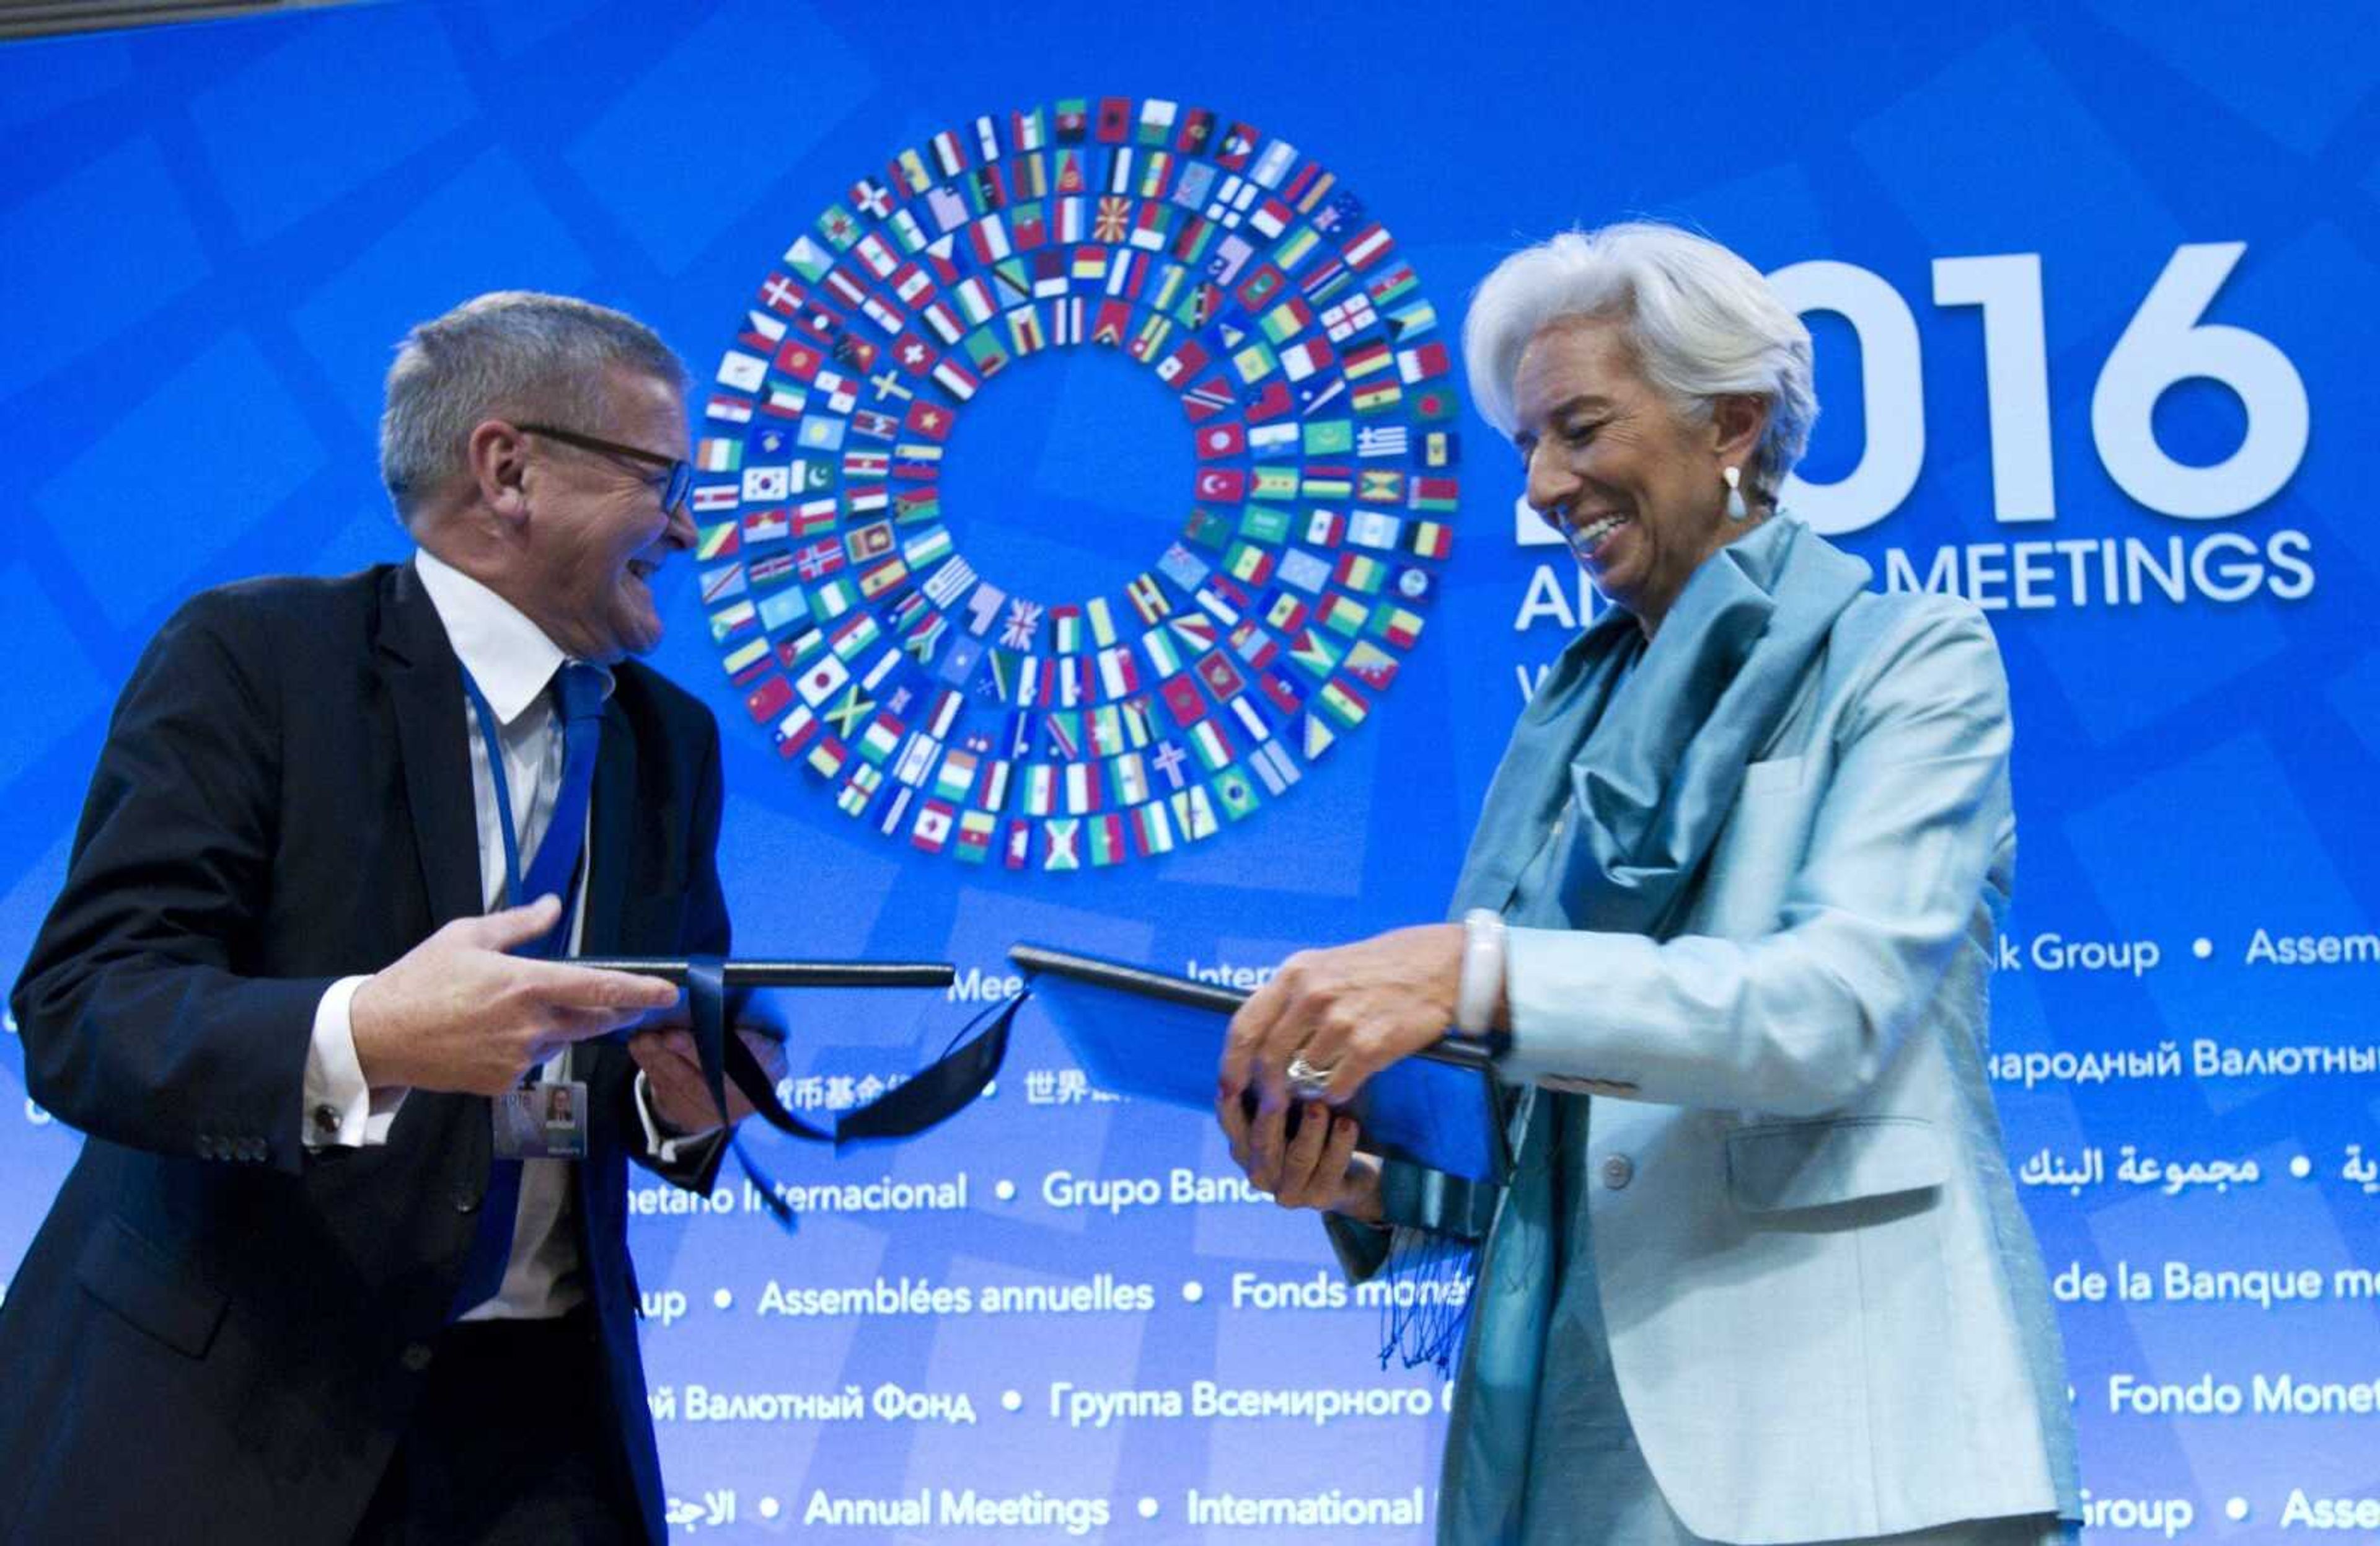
[[1307, 1081]]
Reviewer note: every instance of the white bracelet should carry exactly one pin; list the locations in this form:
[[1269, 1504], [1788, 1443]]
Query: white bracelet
[[1481, 986]]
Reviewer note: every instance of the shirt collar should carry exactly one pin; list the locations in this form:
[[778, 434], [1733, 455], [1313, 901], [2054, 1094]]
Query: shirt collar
[[508, 655]]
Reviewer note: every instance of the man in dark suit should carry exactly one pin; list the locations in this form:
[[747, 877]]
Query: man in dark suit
[[290, 1292]]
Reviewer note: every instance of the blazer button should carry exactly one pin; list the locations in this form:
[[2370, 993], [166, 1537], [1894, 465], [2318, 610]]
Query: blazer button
[[415, 1356], [207, 1147], [465, 1200], [1618, 1171]]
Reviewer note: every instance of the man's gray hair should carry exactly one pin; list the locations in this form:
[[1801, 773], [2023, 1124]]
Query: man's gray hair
[[1702, 323], [509, 354]]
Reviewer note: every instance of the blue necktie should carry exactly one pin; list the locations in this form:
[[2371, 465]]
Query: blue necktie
[[579, 694]]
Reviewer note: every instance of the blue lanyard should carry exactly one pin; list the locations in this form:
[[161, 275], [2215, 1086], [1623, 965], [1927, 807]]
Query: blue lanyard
[[487, 720]]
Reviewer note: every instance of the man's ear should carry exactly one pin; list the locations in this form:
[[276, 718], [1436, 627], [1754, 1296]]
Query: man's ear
[[497, 458]]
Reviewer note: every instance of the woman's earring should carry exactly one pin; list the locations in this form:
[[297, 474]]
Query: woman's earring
[[1736, 509]]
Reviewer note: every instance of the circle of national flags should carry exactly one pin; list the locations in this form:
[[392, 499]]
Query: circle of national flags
[[1061, 733]]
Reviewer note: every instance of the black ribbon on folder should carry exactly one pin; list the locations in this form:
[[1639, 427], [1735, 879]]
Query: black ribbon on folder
[[931, 1096]]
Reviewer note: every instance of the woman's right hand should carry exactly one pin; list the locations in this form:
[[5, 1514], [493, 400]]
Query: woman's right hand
[[1317, 1168]]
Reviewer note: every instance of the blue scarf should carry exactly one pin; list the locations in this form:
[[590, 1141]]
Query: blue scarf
[[1648, 743]]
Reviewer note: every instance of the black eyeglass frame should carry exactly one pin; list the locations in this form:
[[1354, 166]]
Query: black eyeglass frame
[[681, 473]]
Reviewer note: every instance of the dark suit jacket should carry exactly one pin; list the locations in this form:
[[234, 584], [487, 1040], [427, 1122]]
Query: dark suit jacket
[[215, 1334]]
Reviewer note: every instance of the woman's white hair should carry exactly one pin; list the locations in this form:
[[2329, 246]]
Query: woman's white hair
[[1702, 323], [511, 354]]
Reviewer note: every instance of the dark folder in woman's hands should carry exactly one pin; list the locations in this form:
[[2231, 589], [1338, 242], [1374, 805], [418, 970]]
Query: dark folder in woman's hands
[[1156, 1037]]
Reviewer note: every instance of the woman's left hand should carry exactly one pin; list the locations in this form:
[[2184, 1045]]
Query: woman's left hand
[[1353, 1009]]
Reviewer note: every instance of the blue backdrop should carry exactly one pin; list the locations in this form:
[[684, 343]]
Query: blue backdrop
[[2090, 285]]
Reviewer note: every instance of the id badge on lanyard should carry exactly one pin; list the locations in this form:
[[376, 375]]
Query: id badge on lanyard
[[542, 1119]]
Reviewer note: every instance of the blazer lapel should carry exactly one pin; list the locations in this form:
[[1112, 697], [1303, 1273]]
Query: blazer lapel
[[611, 831], [425, 689]]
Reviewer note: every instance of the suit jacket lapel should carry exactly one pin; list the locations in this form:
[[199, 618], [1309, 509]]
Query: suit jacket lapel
[[425, 689], [611, 832]]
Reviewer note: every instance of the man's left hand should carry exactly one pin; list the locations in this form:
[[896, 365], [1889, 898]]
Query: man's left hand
[[1353, 1009], [674, 1075]]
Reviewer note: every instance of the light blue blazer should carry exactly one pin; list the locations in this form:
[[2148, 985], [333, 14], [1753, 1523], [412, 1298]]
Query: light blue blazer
[[1827, 1315]]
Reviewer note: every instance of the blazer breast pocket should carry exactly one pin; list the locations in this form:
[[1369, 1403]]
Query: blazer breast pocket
[[144, 1286]]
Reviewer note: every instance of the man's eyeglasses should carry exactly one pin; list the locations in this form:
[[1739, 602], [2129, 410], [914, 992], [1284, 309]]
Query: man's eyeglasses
[[681, 474]]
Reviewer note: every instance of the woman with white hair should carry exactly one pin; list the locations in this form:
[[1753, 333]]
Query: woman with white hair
[[1728, 920]]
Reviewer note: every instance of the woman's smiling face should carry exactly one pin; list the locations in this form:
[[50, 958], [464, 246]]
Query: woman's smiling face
[[1634, 486]]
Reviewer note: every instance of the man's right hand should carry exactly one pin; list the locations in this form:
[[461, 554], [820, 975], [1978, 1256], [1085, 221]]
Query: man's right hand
[[457, 1013]]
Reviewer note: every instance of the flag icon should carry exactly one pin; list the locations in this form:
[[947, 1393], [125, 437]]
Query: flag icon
[[1399, 626], [1370, 665], [1212, 747], [747, 659], [1342, 703], [769, 699], [1234, 793], [1222, 485], [976, 829], [1222, 440], [720, 584], [1147, 599], [1424, 363]]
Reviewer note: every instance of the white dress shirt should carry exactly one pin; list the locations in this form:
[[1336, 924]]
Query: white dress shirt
[[514, 664]]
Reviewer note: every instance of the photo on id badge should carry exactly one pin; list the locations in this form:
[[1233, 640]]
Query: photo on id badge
[[542, 1121]]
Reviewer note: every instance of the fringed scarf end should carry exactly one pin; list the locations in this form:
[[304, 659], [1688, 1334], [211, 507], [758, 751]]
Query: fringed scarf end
[[1426, 1305]]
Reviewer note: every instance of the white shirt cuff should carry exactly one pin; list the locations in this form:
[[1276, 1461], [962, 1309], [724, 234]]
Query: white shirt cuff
[[665, 1150], [341, 1110]]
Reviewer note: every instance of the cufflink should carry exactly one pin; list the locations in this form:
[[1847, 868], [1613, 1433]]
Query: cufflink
[[326, 1119]]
